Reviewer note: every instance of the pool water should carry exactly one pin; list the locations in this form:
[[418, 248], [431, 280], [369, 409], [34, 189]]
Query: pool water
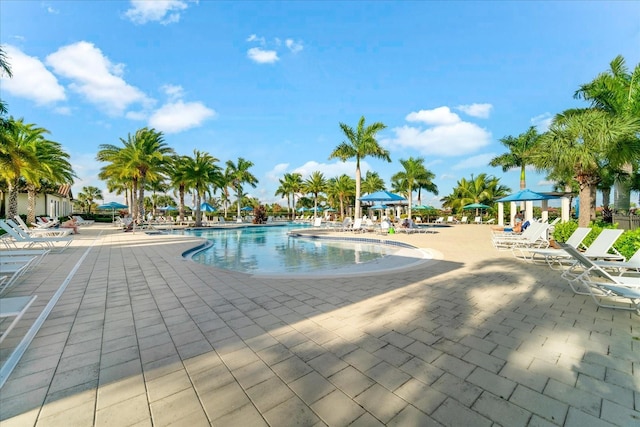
[[269, 250]]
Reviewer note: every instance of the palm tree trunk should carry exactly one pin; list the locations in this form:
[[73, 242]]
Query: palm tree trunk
[[358, 178], [606, 196], [31, 207], [13, 198], [622, 192], [585, 207], [181, 200]]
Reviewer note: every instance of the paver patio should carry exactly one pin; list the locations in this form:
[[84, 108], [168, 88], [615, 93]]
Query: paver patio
[[143, 337]]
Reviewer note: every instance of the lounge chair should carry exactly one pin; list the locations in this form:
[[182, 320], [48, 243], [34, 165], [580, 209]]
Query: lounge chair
[[35, 232], [317, 223], [599, 249], [14, 307], [632, 265], [357, 226], [477, 220], [586, 278], [451, 220], [82, 221], [29, 241], [384, 228], [528, 238], [554, 257], [11, 252], [464, 220], [346, 224], [13, 269], [440, 220]]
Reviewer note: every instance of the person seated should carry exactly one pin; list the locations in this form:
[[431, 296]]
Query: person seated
[[516, 229], [71, 223], [405, 223]]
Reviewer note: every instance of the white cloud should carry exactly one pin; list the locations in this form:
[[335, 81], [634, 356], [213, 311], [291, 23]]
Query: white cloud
[[476, 110], [255, 38], [447, 138], [474, 162], [173, 92], [437, 116], [31, 79], [95, 77], [542, 122], [294, 46], [331, 170], [278, 171], [262, 56], [178, 116], [162, 11]]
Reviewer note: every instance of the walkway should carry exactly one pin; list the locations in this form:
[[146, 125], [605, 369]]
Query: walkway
[[141, 337]]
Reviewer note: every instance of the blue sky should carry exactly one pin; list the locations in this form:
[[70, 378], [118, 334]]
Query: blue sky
[[271, 81]]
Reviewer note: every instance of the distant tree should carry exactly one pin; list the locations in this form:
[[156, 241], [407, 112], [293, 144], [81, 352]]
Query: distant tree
[[522, 151], [200, 174], [360, 143], [239, 175], [414, 175], [315, 185], [89, 194], [372, 183], [342, 188]]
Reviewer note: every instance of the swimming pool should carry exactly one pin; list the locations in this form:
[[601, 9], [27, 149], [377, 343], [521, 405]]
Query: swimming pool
[[270, 250]]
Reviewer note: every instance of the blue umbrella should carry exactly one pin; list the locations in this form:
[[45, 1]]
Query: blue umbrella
[[168, 208], [206, 207], [476, 206], [382, 196], [525, 195], [113, 206], [378, 207], [247, 208]]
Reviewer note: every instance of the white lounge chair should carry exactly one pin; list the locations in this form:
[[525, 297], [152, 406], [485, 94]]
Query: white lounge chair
[[439, 220], [13, 268], [507, 240], [357, 226], [632, 265], [40, 231], [464, 220], [82, 221], [477, 220], [586, 278], [384, 227], [29, 241], [14, 307]]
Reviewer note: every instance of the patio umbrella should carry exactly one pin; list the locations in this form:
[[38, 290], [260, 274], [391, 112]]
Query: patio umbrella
[[206, 207], [382, 196], [168, 208], [247, 208], [476, 206], [525, 195], [113, 206]]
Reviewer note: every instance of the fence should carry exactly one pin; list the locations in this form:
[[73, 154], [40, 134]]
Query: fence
[[627, 222]]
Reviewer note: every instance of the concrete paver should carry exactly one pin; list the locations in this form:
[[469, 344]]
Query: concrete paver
[[141, 336]]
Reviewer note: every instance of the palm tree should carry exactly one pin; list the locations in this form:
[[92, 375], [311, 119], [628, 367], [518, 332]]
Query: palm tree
[[581, 142], [89, 194], [360, 143], [285, 191], [616, 91], [5, 69], [342, 188], [372, 183], [17, 156], [413, 176], [177, 179], [522, 150], [240, 175], [142, 158], [315, 185], [481, 189], [200, 174], [290, 185]]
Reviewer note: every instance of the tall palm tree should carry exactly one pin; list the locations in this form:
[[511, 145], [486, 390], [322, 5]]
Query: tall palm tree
[[481, 189], [413, 176], [5, 69], [53, 168], [522, 150], [17, 156], [360, 143], [240, 175], [315, 184], [581, 142], [177, 180], [616, 91], [200, 174], [372, 183], [343, 188], [285, 191], [142, 158], [90, 193]]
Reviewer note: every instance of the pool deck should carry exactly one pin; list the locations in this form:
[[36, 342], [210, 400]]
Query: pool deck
[[142, 337]]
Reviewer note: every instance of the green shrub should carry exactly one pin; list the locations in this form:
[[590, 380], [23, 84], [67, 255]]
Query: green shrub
[[564, 230], [628, 243]]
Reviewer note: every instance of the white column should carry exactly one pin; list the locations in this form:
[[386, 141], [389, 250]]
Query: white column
[[500, 213], [528, 211], [512, 214], [545, 211], [565, 208]]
